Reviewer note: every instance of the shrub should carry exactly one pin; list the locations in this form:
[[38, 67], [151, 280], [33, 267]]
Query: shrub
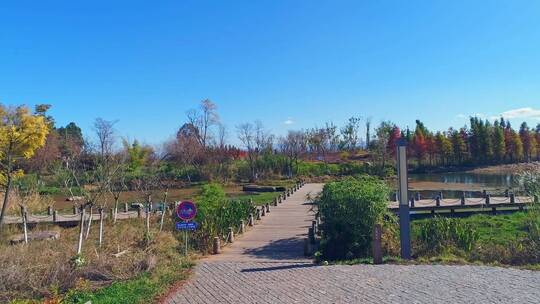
[[438, 234], [216, 214], [349, 209]]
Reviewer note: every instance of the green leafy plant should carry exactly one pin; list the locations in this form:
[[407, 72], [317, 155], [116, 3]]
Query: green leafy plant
[[440, 233], [349, 209]]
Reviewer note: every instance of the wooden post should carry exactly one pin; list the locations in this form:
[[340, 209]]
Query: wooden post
[[463, 201], [242, 227], [279, 199], [307, 247], [231, 235], [251, 222], [377, 247], [275, 202], [506, 193], [484, 193], [216, 246], [24, 216], [441, 195], [512, 198], [258, 214], [311, 235], [412, 202], [488, 201], [55, 216], [438, 201], [263, 211], [49, 210], [267, 208]]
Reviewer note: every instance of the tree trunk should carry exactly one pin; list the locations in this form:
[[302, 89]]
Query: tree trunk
[[100, 226], [81, 231], [163, 210], [89, 223], [6, 199], [115, 213]]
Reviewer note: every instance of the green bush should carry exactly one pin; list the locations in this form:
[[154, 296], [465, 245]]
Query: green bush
[[216, 213], [349, 209], [439, 234]]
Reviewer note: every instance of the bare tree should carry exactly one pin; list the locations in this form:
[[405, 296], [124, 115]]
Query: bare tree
[[203, 119], [257, 141], [350, 133], [383, 136], [105, 134], [294, 145]]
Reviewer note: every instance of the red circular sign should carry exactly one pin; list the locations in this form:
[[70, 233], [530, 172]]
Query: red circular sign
[[186, 210]]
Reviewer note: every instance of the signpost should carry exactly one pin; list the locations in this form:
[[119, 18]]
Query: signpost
[[404, 217], [186, 211]]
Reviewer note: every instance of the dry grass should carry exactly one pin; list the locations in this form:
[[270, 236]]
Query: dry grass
[[44, 269]]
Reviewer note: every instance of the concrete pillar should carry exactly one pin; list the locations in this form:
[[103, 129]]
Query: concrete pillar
[[231, 235], [251, 221], [216, 246], [242, 227]]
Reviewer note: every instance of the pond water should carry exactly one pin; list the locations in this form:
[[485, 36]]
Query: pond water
[[494, 181], [453, 184]]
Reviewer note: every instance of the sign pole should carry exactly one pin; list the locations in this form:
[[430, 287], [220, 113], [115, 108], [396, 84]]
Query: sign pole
[[186, 211], [404, 216], [186, 238]]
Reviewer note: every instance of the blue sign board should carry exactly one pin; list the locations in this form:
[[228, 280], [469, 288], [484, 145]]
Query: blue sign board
[[186, 226]]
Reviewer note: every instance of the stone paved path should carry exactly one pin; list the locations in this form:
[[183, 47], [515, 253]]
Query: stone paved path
[[266, 266]]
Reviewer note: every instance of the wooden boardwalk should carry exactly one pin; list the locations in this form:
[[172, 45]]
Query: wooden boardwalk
[[467, 202], [65, 218]]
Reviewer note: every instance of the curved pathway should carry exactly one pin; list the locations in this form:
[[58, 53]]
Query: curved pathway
[[266, 265]]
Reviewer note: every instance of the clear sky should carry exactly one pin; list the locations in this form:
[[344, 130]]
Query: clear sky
[[291, 64]]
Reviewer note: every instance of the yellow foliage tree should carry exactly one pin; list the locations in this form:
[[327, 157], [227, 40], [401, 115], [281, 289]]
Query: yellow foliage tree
[[21, 134]]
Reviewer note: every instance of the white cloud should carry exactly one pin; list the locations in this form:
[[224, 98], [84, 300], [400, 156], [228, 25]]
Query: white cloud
[[461, 115], [289, 121], [522, 113]]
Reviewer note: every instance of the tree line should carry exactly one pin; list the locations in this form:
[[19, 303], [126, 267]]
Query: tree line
[[60, 158], [481, 143]]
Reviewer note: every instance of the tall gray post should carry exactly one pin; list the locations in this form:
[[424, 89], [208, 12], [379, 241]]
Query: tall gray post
[[403, 187]]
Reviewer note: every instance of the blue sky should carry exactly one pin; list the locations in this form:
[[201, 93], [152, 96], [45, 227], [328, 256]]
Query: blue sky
[[291, 64]]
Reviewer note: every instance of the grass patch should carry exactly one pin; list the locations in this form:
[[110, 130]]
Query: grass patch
[[512, 240], [142, 289]]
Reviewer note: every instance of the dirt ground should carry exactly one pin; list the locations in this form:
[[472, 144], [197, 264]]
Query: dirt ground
[[508, 169]]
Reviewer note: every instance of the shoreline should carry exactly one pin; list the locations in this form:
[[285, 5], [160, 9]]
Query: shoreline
[[516, 168]]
